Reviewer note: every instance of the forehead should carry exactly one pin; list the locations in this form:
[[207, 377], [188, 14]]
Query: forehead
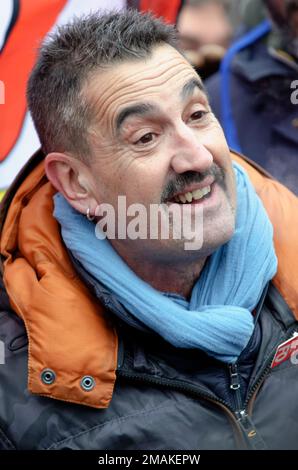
[[159, 76]]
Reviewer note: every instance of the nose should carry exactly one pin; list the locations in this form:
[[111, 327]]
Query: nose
[[190, 154]]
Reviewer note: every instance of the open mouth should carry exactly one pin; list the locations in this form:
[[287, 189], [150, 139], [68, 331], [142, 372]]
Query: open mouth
[[193, 197]]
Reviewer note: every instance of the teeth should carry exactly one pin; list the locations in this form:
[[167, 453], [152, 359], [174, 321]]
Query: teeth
[[197, 194]]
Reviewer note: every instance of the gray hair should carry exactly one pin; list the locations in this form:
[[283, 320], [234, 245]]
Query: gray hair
[[59, 108]]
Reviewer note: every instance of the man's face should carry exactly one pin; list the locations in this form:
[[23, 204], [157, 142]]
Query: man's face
[[155, 140], [204, 24]]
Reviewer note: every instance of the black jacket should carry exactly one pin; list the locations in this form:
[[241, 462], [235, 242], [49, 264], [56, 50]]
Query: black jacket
[[164, 398]]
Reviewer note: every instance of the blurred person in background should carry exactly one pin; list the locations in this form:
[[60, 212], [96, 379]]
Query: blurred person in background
[[205, 33], [255, 94], [205, 26]]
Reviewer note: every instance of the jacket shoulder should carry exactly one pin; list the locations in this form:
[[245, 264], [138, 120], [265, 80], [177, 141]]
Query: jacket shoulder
[[282, 208]]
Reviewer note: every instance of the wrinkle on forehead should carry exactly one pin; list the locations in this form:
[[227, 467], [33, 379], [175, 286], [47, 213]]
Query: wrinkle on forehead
[[128, 82]]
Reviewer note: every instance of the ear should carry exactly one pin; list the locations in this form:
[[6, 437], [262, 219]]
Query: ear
[[72, 178]]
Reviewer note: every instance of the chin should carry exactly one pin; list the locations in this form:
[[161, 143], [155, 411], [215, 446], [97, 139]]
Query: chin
[[218, 236]]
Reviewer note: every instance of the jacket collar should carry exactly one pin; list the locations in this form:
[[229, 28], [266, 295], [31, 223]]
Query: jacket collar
[[67, 328], [259, 62]]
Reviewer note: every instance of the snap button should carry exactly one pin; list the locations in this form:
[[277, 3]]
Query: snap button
[[87, 383], [295, 122], [48, 376]]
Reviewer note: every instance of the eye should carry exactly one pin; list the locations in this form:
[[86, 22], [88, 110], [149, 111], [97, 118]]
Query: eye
[[198, 115], [145, 139]]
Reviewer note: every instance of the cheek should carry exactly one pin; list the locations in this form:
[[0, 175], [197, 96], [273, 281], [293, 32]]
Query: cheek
[[219, 137], [142, 187], [221, 146], [145, 177], [214, 139], [111, 170], [120, 171]]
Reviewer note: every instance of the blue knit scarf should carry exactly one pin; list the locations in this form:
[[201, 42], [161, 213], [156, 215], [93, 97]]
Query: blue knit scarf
[[218, 317]]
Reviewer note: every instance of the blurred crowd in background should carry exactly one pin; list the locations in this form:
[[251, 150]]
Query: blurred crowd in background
[[246, 51]]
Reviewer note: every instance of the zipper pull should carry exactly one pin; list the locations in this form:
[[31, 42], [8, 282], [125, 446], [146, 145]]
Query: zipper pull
[[235, 386], [248, 428], [234, 376], [245, 422]]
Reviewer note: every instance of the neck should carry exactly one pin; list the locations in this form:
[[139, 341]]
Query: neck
[[174, 277]]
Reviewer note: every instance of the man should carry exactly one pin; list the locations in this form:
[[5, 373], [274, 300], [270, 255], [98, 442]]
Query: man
[[143, 343], [262, 90]]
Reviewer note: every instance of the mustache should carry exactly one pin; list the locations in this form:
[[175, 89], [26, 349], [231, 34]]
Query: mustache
[[180, 182]]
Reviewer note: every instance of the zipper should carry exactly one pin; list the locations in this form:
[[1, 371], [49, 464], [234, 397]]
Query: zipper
[[235, 386], [252, 436], [194, 391], [175, 384], [246, 433]]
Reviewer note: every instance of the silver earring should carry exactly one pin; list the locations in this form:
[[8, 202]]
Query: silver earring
[[89, 217]]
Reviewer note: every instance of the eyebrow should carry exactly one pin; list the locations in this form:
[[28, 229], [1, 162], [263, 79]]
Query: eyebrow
[[142, 109], [190, 86], [135, 110]]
